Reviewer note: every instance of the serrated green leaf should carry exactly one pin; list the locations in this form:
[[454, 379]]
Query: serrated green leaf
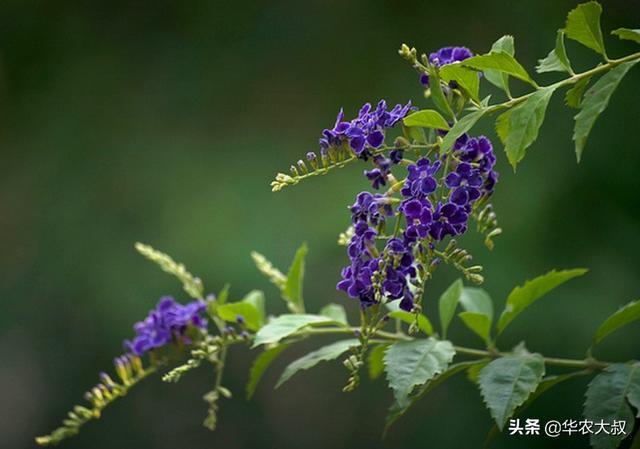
[[427, 118], [522, 297], [478, 323], [557, 59], [460, 127], [501, 80], [502, 126], [573, 97], [232, 310], [607, 399], [396, 410], [507, 382], [335, 312], [448, 303], [375, 361], [407, 317], [625, 315], [595, 101], [260, 365], [525, 121], [285, 325], [545, 384], [467, 79], [409, 364], [627, 34], [501, 62], [292, 290], [326, 353], [583, 25], [436, 92]]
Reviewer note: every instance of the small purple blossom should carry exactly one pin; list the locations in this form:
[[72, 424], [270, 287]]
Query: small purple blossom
[[444, 56], [167, 321]]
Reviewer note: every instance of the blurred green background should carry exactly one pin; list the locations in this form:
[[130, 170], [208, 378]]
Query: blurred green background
[[165, 121]]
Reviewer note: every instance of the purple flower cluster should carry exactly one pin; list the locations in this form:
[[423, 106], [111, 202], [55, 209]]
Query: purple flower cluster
[[366, 131], [395, 264], [444, 56], [168, 321], [433, 208]]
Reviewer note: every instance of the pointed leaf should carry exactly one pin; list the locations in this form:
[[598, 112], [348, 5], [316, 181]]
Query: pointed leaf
[[625, 315], [466, 79], [292, 290], [522, 297], [507, 382], [256, 299], [427, 118], [448, 303], [583, 25], [525, 121], [627, 34], [476, 300], [461, 126], [375, 361], [285, 325], [478, 323], [423, 322], [335, 312], [231, 311], [396, 410], [260, 365], [502, 126], [326, 353], [412, 363], [501, 80], [607, 399], [436, 91], [573, 97], [595, 102], [556, 60], [501, 62]]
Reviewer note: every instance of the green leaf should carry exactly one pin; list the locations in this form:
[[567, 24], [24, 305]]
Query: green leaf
[[501, 80], [500, 61], [460, 127], [260, 365], [627, 314], [507, 382], [436, 91], [427, 118], [476, 300], [335, 312], [412, 363], [524, 123], [448, 303], [627, 34], [556, 60], [326, 353], [407, 317], [502, 126], [522, 297], [396, 410], [583, 25], [595, 102], [467, 79], [414, 134], [573, 97], [285, 325], [607, 399], [256, 299], [292, 290], [230, 312], [480, 324], [223, 295], [473, 373], [375, 361]]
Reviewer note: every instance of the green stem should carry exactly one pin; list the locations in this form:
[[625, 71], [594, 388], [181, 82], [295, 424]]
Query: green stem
[[588, 363]]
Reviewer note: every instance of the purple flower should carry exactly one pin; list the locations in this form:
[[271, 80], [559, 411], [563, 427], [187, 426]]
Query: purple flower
[[465, 182], [444, 56], [421, 180], [366, 131], [167, 321]]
